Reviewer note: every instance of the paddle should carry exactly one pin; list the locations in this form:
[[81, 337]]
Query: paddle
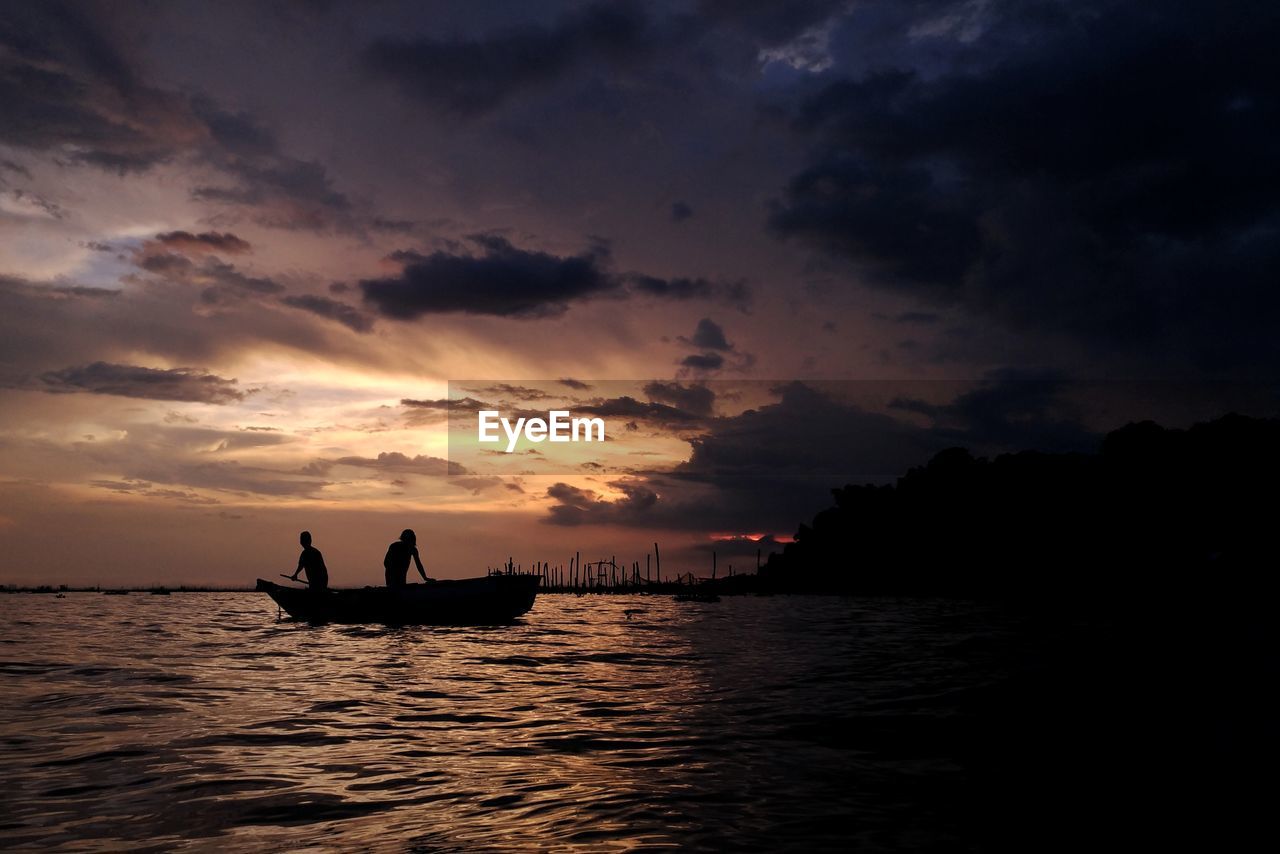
[[299, 580]]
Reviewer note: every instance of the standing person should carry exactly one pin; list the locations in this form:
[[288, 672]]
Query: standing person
[[396, 563], [313, 562]]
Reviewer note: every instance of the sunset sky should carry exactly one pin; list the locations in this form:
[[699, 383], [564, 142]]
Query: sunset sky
[[246, 248]]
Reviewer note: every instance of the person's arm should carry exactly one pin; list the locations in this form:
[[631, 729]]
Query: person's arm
[[301, 557], [418, 561]]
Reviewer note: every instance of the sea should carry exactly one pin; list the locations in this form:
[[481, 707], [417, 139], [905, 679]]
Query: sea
[[202, 721]]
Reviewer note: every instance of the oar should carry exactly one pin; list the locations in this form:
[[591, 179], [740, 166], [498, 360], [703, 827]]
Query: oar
[[291, 578]]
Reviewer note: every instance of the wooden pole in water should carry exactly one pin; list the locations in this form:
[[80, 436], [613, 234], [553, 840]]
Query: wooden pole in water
[[657, 559]]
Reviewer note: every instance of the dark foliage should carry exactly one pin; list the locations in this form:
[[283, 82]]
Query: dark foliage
[[1153, 506]]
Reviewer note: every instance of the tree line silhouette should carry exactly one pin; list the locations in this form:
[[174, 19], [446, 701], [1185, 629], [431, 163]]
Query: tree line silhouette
[[1153, 506]]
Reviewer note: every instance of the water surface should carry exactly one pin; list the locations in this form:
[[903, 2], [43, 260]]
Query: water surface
[[766, 723]]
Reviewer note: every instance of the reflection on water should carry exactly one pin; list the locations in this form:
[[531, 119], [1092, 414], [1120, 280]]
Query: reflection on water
[[767, 723]]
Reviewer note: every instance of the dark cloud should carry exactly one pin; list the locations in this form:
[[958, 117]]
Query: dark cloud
[[503, 280], [445, 404], [1009, 409], [703, 361], [393, 226], [921, 317], [225, 477], [331, 309], [681, 288], [77, 292], [694, 399], [226, 283], [507, 391], [147, 490], [477, 485], [680, 211], [16, 168], [468, 77], [628, 407], [577, 506], [184, 384], [709, 336], [206, 241], [1098, 168], [165, 264], [64, 87], [769, 22], [394, 461], [750, 472], [575, 384], [283, 191], [223, 284]]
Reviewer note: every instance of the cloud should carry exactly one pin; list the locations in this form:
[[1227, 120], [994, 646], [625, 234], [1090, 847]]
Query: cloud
[[920, 317], [226, 476], [755, 471], [393, 461], [204, 242], [654, 412], [769, 22], [184, 384], [503, 280], [147, 490], [508, 392], [1129, 200], [709, 336], [469, 77], [223, 282], [1010, 408], [694, 399], [703, 362], [576, 506], [66, 90], [681, 288], [331, 309]]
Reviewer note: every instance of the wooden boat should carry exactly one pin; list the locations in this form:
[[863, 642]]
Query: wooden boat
[[484, 601]]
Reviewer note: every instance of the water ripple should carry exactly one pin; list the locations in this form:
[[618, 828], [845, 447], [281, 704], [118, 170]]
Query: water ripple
[[127, 723]]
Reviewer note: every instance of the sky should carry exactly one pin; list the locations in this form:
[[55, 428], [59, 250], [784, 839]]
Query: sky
[[251, 252]]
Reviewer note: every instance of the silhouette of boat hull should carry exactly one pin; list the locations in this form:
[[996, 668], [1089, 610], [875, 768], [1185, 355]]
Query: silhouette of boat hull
[[487, 600]]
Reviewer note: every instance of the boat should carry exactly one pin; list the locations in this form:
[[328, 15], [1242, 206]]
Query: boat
[[484, 601]]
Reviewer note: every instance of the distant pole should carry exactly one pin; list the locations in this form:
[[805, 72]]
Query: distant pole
[[657, 560]]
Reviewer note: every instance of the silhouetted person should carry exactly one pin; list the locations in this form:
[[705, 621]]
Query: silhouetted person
[[313, 562], [396, 563]]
